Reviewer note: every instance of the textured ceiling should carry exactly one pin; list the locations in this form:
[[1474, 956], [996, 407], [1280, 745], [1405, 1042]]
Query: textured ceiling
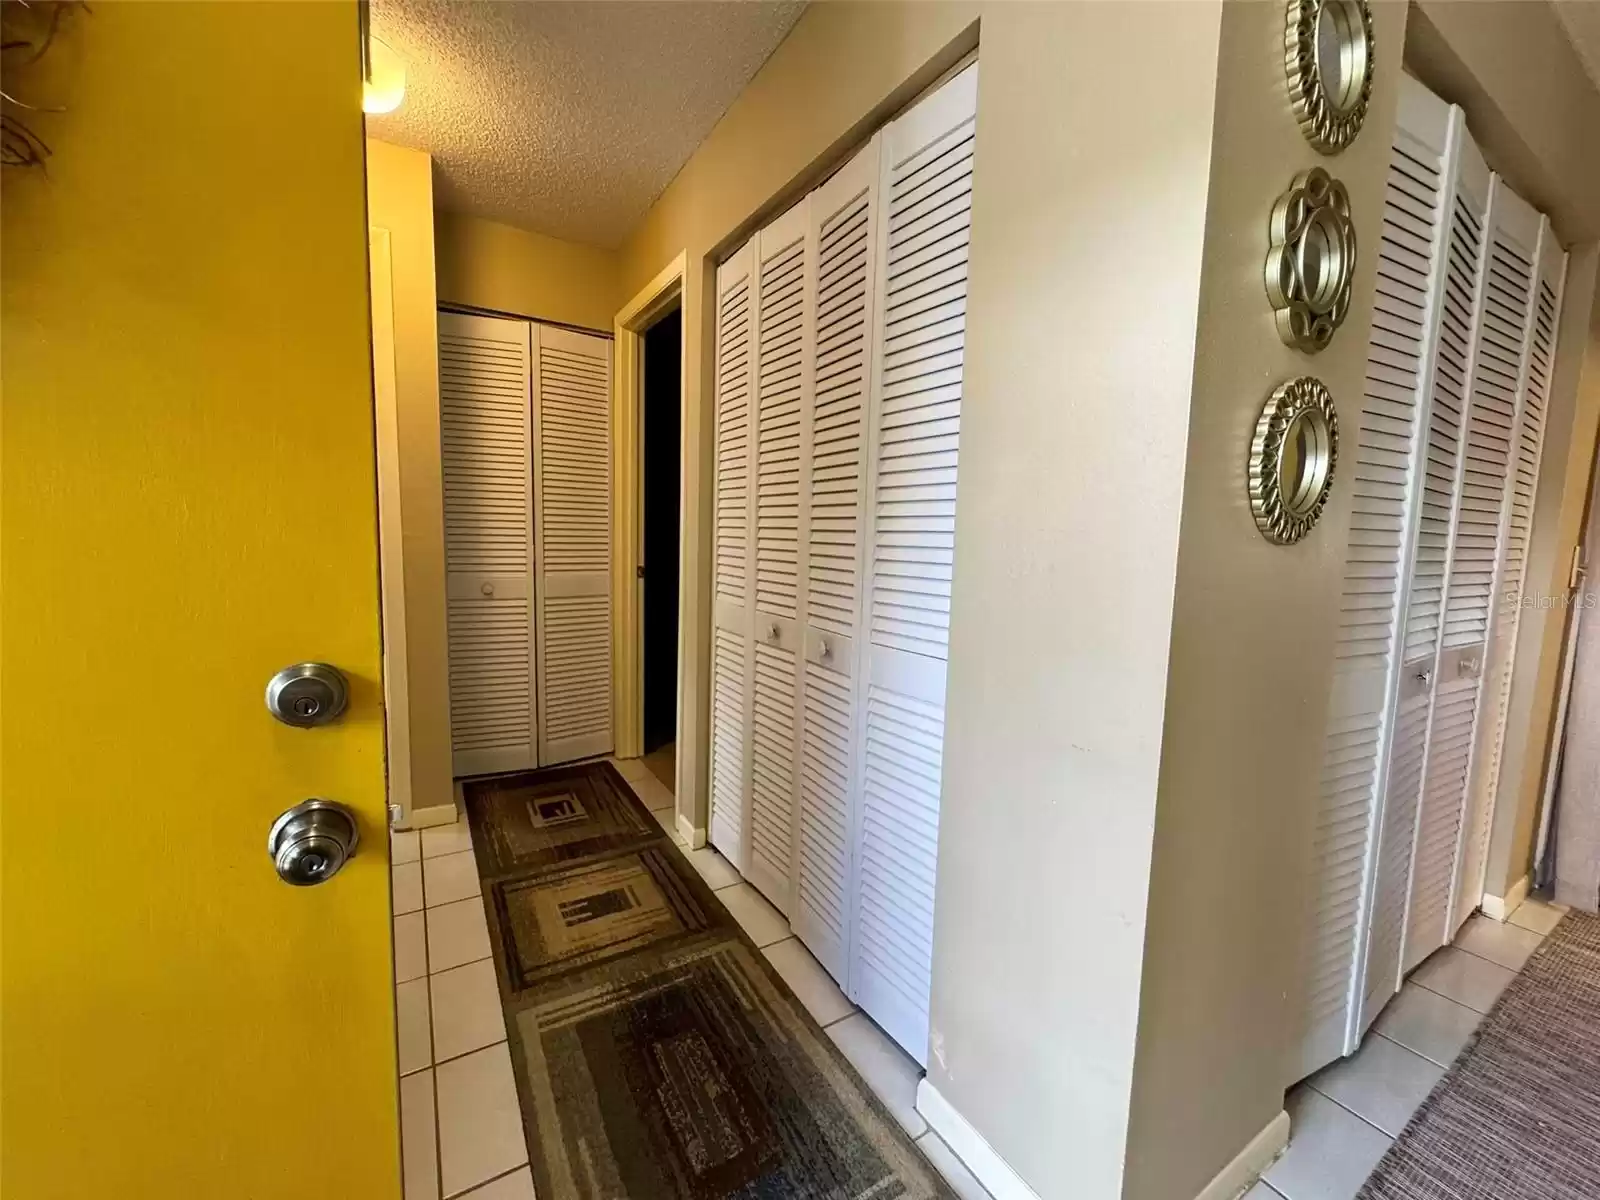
[[1582, 21], [567, 118]]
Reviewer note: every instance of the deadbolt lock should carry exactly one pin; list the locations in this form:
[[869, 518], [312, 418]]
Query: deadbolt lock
[[307, 694]]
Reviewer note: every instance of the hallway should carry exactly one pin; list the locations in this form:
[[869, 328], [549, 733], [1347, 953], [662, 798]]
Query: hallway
[[461, 1124]]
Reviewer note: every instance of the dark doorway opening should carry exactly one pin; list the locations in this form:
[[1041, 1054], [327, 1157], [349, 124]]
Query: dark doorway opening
[[662, 406]]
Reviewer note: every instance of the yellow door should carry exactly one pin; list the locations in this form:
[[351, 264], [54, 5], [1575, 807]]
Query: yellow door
[[188, 505]]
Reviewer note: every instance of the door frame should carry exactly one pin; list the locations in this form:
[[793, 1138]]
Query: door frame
[[652, 302]]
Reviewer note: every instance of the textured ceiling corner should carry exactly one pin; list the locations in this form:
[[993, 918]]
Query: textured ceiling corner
[[568, 119]]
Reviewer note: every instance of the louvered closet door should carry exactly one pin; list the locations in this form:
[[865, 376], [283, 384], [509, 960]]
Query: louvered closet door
[[572, 536], [914, 422], [1447, 362], [1463, 633], [843, 229], [782, 378], [732, 558], [1386, 463], [1538, 358], [484, 378]]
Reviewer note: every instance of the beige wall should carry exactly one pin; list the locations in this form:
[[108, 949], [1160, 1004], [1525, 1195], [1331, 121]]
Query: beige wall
[[400, 199], [484, 264], [1252, 651], [1087, 242], [842, 69], [1558, 512]]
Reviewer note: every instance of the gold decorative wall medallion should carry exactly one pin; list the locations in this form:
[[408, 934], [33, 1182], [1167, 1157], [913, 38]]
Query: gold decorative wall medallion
[[1292, 458], [1312, 260], [1328, 56]]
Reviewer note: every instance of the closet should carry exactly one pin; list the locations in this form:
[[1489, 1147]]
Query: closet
[[1444, 474], [525, 440], [839, 346]]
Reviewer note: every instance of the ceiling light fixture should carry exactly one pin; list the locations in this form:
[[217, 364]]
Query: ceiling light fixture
[[385, 85]]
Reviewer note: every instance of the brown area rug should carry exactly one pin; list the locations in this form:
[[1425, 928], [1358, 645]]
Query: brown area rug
[[657, 1052], [1518, 1113]]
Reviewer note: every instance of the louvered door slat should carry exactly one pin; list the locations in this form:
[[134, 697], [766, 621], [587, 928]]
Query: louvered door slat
[[843, 228], [784, 267], [731, 659], [1463, 619], [1427, 599], [1386, 461], [572, 487], [1543, 274], [485, 441], [917, 347]]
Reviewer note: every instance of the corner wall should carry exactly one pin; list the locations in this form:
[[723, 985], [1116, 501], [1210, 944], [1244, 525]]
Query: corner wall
[[485, 264], [400, 199], [1252, 646]]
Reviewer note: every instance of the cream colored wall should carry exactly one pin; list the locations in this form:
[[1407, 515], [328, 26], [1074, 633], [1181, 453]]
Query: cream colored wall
[[1252, 650], [400, 199], [484, 264], [841, 70], [1087, 241], [1570, 431]]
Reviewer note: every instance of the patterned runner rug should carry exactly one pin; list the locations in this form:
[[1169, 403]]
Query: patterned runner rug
[[1517, 1117], [657, 1053]]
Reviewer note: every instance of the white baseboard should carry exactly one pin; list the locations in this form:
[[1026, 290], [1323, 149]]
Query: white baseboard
[[691, 833], [1501, 907], [434, 814], [970, 1147], [1232, 1181]]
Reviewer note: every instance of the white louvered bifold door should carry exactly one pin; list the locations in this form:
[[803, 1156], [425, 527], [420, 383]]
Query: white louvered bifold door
[[782, 402], [1546, 266], [918, 339], [1447, 359], [1468, 579], [572, 538], [485, 441], [1386, 462], [843, 230], [731, 556]]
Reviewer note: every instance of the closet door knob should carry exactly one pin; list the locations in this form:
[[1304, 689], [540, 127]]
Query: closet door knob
[[827, 648], [773, 632], [487, 589]]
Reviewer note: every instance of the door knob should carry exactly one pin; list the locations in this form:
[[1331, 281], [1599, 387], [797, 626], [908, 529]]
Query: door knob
[[307, 694], [311, 841], [773, 632]]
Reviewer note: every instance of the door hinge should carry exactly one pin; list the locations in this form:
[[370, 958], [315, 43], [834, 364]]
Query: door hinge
[[639, 571]]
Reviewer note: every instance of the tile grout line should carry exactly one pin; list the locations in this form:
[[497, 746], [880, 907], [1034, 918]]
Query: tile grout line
[[1338, 1104], [1377, 1033], [467, 1195], [1452, 999]]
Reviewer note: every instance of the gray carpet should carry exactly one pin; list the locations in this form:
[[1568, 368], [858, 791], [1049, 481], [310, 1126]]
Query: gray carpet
[[1517, 1117]]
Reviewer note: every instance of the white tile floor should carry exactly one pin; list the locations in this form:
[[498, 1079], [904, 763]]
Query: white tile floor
[[461, 1132], [1343, 1118]]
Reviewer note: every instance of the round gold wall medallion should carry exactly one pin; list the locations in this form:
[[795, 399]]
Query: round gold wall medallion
[[1311, 261], [1328, 57], [1292, 458]]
